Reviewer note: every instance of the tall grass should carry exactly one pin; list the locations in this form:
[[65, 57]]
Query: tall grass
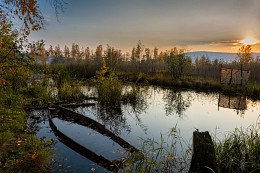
[[239, 151], [40, 94], [70, 91], [62, 74], [167, 155]]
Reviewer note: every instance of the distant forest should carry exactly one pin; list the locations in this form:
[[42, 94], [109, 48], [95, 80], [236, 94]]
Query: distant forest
[[176, 61]]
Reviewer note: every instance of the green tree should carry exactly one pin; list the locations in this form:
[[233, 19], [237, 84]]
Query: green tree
[[112, 57], [87, 54], [139, 50], [179, 62], [66, 52], [99, 55], [51, 51], [58, 52]]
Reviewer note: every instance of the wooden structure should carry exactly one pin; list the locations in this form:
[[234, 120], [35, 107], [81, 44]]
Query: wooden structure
[[203, 158], [234, 76], [232, 102], [68, 115]]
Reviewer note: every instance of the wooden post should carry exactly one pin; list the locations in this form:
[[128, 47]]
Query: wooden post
[[220, 77], [230, 81], [241, 74], [203, 158]]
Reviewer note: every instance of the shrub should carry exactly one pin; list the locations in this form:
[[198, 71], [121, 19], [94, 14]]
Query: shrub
[[108, 87]]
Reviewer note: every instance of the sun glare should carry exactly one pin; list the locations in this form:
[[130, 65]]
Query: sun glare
[[249, 41]]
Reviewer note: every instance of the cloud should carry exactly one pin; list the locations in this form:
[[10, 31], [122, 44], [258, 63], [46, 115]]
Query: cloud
[[226, 42]]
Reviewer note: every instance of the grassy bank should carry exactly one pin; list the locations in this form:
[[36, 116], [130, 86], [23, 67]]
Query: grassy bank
[[20, 151], [251, 89]]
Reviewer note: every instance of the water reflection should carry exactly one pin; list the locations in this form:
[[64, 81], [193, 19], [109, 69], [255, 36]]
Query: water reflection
[[147, 117], [176, 102], [75, 118], [85, 152], [237, 102], [134, 102], [136, 99]]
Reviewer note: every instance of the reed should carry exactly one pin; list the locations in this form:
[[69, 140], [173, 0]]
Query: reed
[[239, 151], [164, 156], [40, 94]]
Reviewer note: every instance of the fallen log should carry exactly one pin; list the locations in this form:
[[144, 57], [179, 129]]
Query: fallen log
[[203, 158]]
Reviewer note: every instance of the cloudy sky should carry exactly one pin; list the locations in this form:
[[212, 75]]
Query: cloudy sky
[[208, 25]]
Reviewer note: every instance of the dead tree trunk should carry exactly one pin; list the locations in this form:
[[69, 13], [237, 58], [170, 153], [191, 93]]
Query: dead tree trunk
[[203, 158]]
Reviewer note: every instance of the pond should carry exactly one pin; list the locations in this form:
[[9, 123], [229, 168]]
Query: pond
[[156, 113]]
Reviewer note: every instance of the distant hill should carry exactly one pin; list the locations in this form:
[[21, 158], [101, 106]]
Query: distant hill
[[226, 57]]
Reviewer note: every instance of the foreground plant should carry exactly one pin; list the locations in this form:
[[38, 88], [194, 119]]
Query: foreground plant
[[170, 154], [239, 151]]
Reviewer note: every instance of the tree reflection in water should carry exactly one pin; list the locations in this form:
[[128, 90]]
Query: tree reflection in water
[[135, 97], [176, 102], [134, 100]]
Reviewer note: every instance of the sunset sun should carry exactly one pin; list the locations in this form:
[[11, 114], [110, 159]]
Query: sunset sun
[[249, 41]]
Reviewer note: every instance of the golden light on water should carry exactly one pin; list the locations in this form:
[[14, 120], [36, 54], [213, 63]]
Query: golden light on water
[[249, 41]]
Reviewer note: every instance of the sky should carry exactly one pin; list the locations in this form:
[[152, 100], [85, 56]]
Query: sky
[[194, 25]]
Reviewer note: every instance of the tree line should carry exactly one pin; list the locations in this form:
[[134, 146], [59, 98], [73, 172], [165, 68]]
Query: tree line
[[141, 59]]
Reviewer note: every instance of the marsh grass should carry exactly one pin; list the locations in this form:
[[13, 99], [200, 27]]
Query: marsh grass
[[40, 94], [239, 151], [170, 154], [70, 90], [61, 74]]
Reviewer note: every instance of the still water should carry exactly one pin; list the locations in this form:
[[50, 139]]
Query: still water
[[155, 113]]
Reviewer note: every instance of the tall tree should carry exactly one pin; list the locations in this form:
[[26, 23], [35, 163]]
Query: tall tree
[[244, 54], [51, 51], [66, 52], [99, 55], [73, 51], [179, 63], [58, 52], [87, 54], [139, 50]]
